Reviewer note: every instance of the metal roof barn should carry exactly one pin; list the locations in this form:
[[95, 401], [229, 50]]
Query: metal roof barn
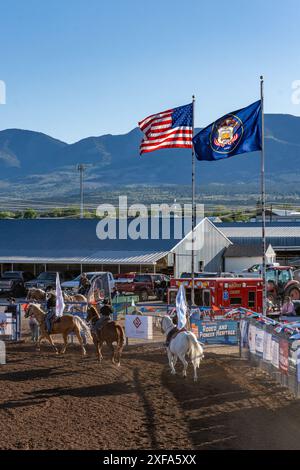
[[75, 242], [281, 235]]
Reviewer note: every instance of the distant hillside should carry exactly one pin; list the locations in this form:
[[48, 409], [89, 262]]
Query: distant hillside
[[32, 161]]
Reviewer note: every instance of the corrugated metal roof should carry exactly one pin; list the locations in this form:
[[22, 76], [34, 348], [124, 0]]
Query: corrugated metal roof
[[240, 231], [278, 234], [75, 241], [39, 260], [124, 257], [100, 257]]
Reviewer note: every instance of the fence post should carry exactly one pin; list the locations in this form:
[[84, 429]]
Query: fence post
[[126, 313], [240, 335], [19, 332]]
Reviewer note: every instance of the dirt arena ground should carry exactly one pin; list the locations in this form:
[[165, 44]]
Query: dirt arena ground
[[56, 402]]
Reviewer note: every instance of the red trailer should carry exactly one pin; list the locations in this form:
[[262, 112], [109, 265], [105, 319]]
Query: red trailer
[[221, 292]]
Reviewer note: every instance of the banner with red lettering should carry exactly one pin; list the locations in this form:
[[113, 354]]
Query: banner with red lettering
[[284, 355]]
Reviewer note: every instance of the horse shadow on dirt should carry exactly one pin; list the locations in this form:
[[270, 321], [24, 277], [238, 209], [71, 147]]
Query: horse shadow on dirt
[[112, 389], [148, 409], [207, 405], [33, 374], [38, 397], [158, 356]]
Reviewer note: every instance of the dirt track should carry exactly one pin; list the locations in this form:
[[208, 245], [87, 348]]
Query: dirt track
[[55, 402]]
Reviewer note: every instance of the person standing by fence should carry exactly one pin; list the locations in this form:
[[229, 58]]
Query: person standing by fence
[[288, 307], [34, 328]]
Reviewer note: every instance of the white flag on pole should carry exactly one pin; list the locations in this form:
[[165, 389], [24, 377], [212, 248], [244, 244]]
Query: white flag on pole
[[60, 304], [181, 307]]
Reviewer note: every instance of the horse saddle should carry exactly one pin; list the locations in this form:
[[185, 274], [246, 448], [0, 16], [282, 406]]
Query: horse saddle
[[101, 323], [173, 333]]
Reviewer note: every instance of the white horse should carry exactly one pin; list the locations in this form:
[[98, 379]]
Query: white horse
[[185, 342]]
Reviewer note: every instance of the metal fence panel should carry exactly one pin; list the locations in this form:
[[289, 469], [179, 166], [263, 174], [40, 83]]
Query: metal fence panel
[[10, 322], [280, 359]]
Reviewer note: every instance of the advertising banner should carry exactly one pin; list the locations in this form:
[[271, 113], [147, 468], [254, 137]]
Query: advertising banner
[[251, 338], [298, 365], [275, 352], [267, 354], [137, 326], [259, 341], [284, 355], [244, 325], [218, 332]]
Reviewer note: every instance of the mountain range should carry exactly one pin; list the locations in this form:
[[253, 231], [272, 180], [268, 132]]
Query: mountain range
[[35, 162]]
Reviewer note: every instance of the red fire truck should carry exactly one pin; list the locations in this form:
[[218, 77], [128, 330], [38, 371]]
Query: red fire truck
[[221, 292]]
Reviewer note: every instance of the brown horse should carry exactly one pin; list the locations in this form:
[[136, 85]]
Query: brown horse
[[76, 298], [109, 333], [36, 294], [65, 325]]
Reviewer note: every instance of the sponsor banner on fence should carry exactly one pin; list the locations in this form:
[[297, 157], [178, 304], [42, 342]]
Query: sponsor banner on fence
[[275, 352], [244, 326], [137, 326], [298, 365], [217, 332], [267, 354], [251, 338], [284, 355], [259, 341]]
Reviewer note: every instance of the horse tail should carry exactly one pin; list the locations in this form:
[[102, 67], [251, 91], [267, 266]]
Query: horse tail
[[196, 350], [83, 326]]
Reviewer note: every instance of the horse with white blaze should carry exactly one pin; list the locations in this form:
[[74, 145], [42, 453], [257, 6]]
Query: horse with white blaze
[[183, 343]]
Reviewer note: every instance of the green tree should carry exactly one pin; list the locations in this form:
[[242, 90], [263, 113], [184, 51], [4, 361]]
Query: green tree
[[30, 214], [7, 215]]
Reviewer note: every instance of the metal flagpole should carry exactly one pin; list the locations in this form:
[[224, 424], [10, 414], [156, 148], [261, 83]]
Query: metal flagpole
[[263, 195], [193, 208]]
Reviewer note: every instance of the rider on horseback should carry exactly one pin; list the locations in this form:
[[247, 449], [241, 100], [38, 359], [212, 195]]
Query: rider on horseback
[[173, 331], [105, 316], [84, 285], [51, 313], [106, 312]]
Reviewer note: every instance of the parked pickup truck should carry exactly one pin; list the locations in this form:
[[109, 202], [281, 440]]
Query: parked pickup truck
[[143, 285], [45, 280], [73, 285], [13, 283]]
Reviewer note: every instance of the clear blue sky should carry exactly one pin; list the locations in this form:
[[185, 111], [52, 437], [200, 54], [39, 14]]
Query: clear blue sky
[[75, 68]]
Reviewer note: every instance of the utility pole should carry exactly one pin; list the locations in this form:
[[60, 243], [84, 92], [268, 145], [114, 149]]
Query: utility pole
[[81, 169]]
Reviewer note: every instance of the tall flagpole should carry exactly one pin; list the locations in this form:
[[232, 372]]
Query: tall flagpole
[[193, 208], [263, 196]]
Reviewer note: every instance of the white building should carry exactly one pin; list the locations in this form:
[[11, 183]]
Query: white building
[[240, 257]]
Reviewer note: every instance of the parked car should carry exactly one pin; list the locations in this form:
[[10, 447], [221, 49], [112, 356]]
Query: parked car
[[143, 285], [46, 280], [73, 285], [14, 282]]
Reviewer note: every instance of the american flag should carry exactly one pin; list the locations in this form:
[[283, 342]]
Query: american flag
[[169, 129]]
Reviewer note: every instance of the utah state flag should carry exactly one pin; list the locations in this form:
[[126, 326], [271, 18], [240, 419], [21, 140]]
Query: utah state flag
[[237, 132]]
